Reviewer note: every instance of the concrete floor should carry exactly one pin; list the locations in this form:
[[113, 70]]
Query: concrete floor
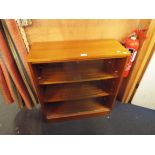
[[125, 119]]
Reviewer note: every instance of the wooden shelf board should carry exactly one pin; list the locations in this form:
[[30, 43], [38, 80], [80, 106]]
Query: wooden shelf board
[[59, 93], [62, 51], [75, 109], [60, 76]]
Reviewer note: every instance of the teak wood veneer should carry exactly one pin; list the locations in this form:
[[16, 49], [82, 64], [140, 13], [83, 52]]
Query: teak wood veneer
[[77, 78]]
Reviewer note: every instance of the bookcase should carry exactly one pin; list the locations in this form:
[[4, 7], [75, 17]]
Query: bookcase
[[75, 79]]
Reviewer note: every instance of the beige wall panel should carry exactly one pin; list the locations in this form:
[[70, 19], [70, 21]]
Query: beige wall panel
[[60, 30]]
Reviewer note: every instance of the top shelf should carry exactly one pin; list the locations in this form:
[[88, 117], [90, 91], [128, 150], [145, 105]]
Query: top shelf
[[62, 51]]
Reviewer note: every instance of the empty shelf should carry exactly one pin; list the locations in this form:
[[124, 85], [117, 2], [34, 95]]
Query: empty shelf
[[59, 75], [76, 109], [73, 92]]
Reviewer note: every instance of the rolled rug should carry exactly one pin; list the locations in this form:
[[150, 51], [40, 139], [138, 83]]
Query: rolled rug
[[5, 88]]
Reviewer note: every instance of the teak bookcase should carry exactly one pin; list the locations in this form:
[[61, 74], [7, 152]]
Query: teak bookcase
[[77, 78]]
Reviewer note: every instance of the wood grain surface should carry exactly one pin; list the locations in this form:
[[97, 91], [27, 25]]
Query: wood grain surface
[[76, 50]]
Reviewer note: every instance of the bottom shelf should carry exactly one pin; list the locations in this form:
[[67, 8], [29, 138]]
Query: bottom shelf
[[75, 109]]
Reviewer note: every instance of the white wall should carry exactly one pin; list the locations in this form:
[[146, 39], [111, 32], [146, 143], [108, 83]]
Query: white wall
[[145, 94]]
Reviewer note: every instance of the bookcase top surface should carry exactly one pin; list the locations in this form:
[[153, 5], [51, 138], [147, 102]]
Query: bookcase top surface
[[62, 51]]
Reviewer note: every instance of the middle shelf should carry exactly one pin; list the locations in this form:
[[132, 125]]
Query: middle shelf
[[62, 76], [57, 93]]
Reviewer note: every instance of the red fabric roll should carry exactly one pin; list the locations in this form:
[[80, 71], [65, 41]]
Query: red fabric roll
[[11, 66], [18, 41], [7, 77], [5, 89]]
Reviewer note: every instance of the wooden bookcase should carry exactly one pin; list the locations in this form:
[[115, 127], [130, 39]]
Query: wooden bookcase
[[77, 78]]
